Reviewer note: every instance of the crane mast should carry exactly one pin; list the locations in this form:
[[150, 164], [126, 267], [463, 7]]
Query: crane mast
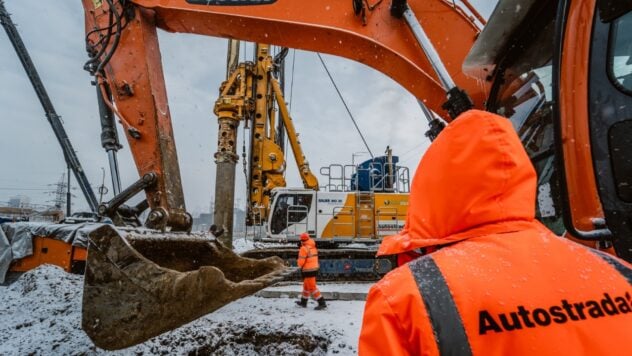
[[252, 93]]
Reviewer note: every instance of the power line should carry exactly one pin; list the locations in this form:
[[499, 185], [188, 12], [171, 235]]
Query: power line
[[345, 104], [411, 150], [292, 81], [286, 138], [13, 188]]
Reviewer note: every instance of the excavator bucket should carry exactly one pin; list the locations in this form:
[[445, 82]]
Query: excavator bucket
[[139, 286]]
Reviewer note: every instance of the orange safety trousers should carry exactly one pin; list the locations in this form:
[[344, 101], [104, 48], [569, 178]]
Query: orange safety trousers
[[310, 288]]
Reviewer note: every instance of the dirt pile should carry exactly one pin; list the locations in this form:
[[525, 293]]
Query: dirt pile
[[40, 314], [243, 340]]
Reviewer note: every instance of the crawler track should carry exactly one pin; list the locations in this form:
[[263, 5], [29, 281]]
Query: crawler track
[[340, 264]]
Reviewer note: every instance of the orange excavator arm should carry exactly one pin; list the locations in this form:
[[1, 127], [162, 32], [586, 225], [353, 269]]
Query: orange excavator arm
[[126, 61], [384, 43]]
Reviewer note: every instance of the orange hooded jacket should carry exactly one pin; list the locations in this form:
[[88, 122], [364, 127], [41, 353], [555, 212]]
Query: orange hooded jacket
[[308, 258], [502, 283]]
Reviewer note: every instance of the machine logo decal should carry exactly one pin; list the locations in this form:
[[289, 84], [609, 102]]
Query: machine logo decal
[[330, 201], [231, 2], [97, 3], [390, 226]]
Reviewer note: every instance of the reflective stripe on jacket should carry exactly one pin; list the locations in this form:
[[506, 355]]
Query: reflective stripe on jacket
[[555, 298], [308, 257], [502, 284]]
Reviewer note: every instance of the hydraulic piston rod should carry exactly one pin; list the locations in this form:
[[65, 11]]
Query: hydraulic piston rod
[[458, 100], [435, 125], [109, 138], [429, 50]]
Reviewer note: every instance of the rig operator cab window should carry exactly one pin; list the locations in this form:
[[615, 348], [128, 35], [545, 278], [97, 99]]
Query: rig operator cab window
[[524, 95], [620, 56], [523, 91], [290, 213]]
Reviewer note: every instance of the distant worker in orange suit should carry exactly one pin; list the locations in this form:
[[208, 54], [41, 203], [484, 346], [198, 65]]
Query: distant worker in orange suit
[[308, 263], [499, 282]]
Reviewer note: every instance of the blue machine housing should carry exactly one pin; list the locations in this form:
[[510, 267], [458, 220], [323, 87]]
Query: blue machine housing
[[372, 175]]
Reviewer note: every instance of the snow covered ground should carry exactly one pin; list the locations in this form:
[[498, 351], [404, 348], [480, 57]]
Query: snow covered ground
[[40, 314]]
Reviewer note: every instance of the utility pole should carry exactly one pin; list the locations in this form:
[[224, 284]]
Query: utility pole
[[68, 195], [61, 189]]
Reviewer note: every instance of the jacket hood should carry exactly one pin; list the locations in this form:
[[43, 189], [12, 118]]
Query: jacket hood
[[309, 243], [476, 174]]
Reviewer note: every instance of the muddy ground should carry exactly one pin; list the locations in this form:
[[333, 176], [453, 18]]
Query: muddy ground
[[40, 314]]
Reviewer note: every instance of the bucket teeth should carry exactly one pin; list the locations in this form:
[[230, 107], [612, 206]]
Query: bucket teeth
[[137, 287]]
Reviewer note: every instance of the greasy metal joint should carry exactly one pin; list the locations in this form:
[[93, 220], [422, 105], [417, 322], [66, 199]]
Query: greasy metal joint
[[134, 133], [398, 7], [150, 178], [177, 220], [157, 219], [103, 209], [435, 128], [180, 221], [125, 90], [156, 215], [458, 102]]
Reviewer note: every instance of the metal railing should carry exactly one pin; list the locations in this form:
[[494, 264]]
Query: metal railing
[[403, 180], [259, 228], [340, 178]]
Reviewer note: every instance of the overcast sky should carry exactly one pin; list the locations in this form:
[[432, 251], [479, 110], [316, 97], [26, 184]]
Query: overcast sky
[[194, 66]]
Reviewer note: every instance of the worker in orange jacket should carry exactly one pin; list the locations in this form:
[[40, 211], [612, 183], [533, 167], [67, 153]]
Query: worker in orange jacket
[[500, 283], [308, 263]]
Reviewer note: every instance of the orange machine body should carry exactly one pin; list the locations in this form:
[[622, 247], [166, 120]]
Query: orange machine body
[[585, 206], [47, 250]]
